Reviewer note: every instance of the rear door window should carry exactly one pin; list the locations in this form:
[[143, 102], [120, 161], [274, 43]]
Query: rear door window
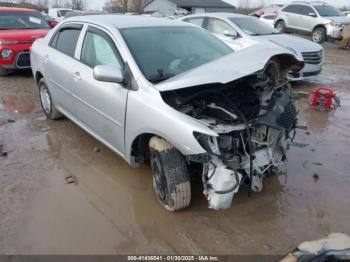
[[196, 21], [217, 26], [291, 9], [66, 38]]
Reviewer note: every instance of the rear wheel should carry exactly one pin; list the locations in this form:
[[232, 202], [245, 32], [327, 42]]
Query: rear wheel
[[281, 27], [171, 181], [319, 35], [46, 102]]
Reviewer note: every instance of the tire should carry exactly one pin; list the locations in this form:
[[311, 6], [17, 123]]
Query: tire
[[319, 35], [281, 27], [46, 102], [3, 72], [171, 180]]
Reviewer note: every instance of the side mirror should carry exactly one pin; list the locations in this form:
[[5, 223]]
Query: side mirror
[[52, 24], [232, 34], [108, 73], [312, 14]]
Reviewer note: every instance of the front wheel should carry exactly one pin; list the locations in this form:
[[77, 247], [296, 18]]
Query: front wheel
[[46, 102], [319, 35], [281, 27], [171, 180]]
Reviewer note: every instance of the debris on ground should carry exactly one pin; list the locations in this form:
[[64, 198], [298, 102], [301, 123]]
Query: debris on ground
[[307, 133], [3, 153], [70, 179], [300, 145], [324, 98], [316, 177], [317, 164], [44, 129], [300, 94], [335, 247], [97, 150]]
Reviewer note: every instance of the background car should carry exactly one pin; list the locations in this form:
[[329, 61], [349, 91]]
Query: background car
[[268, 19], [19, 28], [241, 31], [323, 21], [58, 13]]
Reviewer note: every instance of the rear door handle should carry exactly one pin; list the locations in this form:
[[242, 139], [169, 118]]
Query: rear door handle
[[77, 76]]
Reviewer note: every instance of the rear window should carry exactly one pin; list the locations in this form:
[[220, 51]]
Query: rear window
[[65, 40]]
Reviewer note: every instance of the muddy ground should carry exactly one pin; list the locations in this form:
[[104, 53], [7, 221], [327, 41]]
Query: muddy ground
[[111, 209]]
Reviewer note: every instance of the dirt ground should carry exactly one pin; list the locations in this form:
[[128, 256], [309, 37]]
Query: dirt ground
[[111, 209]]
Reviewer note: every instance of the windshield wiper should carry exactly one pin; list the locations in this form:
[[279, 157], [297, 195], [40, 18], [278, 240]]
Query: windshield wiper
[[159, 77]]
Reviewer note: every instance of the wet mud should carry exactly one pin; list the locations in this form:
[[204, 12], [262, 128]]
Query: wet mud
[[110, 208]]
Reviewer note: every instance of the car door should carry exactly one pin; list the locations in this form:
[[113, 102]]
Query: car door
[[226, 33], [291, 12], [59, 61], [100, 106], [306, 21]]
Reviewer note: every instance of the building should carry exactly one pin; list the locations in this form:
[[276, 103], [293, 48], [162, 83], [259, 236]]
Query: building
[[172, 7]]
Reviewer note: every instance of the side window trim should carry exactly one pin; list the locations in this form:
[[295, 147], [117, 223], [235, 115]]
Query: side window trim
[[98, 31], [66, 26]]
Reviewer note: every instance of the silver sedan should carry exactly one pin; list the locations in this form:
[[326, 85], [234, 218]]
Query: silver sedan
[[171, 93]]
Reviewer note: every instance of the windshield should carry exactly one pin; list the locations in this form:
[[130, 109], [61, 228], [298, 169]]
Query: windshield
[[164, 52], [328, 10], [253, 26], [22, 20]]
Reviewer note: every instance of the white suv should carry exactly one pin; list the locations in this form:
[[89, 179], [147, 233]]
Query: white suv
[[324, 21]]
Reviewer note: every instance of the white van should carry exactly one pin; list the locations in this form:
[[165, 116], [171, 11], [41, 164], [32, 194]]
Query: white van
[[58, 13]]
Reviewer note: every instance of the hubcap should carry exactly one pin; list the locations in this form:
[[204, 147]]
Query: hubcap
[[317, 36], [159, 178], [279, 27], [45, 99]]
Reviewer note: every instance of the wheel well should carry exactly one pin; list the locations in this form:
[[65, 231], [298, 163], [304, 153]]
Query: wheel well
[[279, 20], [38, 76], [322, 26], [139, 147]]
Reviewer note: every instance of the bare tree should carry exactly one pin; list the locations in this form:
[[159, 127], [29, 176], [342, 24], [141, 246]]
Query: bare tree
[[123, 6]]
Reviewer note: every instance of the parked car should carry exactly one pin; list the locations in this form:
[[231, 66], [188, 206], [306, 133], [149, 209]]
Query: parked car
[[52, 22], [168, 91], [267, 10], [268, 19], [323, 21], [347, 13], [58, 13], [241, 31], [19, 27]]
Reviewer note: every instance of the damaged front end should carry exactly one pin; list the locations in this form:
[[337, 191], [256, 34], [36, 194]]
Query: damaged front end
[[254, 118]]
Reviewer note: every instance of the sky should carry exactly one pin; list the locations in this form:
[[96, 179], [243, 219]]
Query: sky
[[98, 4]]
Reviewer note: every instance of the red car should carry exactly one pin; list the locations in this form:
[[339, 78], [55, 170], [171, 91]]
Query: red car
[[19, 27]]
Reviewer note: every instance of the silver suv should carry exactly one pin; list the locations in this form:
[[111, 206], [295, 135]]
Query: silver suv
[[324, 21]]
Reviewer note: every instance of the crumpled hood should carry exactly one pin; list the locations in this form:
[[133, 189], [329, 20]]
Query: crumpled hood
[[339, 19], [229, 68], [297, 43]]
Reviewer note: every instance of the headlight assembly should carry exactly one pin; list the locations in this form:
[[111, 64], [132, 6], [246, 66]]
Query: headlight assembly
[[6, 54]]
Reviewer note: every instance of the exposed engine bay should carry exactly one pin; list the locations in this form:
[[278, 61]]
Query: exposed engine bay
[[255, 119]]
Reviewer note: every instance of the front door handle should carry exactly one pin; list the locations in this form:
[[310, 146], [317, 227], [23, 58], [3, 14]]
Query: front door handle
[[77, 76]]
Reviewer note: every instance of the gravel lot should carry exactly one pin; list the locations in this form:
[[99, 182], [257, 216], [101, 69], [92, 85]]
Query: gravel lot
[[111, 209]]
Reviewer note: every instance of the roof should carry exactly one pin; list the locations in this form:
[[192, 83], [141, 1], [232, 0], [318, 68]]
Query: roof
[[200, 3], [217, 15], [16, 9], [127, 21]]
